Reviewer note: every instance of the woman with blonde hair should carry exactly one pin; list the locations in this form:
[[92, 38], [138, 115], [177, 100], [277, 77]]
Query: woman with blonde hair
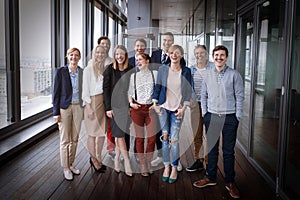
[[93, 101], [115, 87], [171, 97]]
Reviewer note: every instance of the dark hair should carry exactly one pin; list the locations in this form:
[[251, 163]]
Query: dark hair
[[146, 56], [220, 47], [141, 40], [168, 33], [103, 38]]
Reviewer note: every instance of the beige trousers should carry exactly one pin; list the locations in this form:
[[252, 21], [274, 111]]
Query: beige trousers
[[197, 127], [69, 129]]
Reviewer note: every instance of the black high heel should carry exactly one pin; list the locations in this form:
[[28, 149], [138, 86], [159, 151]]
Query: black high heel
[[92, 164], [103, 168]]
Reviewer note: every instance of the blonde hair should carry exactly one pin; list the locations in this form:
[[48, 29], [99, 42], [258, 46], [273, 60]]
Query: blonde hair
[[115, 63], [98, 67], [176, 46]]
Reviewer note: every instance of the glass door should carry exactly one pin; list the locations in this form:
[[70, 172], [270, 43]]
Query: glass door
[[291, 174], [267, 87], [245, 67]]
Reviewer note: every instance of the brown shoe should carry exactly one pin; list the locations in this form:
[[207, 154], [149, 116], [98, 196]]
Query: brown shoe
[[233, 191], [204, 182]]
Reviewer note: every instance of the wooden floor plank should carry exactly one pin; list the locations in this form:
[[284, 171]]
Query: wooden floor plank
[[36, 174]]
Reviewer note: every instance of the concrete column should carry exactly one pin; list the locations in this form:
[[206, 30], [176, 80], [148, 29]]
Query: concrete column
[[138, 23]]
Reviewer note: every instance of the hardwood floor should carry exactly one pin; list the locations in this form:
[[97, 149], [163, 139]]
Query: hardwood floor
[[36, 174]]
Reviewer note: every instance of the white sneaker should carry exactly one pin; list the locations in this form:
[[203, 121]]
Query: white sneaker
[[68, 175], [179, 167], [74, 170], [156, 161]]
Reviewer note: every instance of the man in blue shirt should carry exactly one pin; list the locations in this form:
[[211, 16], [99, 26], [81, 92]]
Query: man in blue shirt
[[222, 99]]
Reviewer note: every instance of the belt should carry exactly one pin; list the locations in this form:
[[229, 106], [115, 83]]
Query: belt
[[74, 103], [144, 106], [224, 115]]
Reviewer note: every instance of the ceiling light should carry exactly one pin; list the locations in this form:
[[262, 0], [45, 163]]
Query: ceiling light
[[267, 3]]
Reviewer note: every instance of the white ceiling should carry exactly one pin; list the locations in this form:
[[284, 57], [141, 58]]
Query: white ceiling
[[173, 15]]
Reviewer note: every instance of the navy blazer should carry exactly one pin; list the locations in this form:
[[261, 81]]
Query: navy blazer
[[156, 59], [62, 90], [131, 61]]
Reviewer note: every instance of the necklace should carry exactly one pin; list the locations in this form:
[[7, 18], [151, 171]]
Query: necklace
[[175, 69]]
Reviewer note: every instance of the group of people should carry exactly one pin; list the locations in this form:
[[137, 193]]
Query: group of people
[[152, 94]]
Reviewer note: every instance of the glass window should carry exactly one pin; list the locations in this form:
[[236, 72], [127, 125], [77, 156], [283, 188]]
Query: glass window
[[268, 80], [292, 162], [120, 36], [35, 56], [199, 20], [225, 27], [123, 5], [244, 66], [98, 25], [210, 25], [111, 34], [3, 92], [76, 26]]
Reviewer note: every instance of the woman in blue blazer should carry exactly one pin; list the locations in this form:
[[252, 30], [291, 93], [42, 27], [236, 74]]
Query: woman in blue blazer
[[67, 109], [172, 95]]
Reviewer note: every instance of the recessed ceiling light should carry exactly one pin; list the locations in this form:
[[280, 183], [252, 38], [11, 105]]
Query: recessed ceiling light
[[267, 3]]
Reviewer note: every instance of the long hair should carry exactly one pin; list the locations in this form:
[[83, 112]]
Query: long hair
[[98, 67], [115, 63]]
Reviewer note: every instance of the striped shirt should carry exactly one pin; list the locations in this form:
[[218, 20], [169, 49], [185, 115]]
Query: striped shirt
[[198, 76]]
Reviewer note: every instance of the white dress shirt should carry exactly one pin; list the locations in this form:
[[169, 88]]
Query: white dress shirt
[[91, 86]]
